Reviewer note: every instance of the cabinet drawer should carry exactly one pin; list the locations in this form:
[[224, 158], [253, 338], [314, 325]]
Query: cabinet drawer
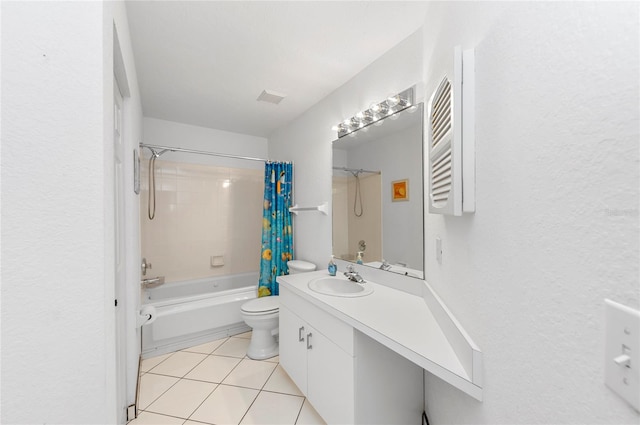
[[334, 329]]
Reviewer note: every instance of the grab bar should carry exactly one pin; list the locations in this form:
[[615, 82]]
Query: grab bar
[[152, 282]]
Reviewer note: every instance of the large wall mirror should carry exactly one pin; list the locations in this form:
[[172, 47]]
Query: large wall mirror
[[378, 208]]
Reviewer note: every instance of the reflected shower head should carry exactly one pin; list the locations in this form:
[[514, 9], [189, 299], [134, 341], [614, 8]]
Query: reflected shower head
[[157, 154]]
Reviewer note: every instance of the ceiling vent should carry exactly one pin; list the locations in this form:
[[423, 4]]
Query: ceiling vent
[[270, 96]]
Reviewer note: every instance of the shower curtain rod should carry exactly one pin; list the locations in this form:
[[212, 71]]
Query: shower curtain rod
[[173, 149], [356, 170]]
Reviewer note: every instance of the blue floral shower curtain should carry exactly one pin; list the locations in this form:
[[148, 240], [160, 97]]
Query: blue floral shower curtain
[[277, 230]]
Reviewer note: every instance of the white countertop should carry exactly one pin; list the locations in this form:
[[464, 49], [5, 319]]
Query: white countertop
[[397, 320]]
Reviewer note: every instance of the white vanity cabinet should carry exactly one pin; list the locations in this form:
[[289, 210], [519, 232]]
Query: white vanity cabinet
[[293, 349], [319, 367], [347, 377]]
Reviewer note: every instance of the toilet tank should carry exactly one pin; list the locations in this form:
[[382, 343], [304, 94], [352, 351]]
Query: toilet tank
[[300, 266]]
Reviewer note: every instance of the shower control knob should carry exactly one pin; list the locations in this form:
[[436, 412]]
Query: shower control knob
[[144, 266]]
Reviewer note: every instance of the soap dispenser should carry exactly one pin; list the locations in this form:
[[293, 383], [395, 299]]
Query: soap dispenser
[[359, 258], [332, 267]]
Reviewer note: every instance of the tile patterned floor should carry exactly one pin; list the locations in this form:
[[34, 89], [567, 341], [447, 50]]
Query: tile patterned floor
[[216, 383]]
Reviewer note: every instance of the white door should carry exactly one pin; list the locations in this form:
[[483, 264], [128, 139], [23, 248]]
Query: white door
[[120, 266]]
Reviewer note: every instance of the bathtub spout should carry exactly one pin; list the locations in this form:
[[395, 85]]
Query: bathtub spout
[[152, 282]]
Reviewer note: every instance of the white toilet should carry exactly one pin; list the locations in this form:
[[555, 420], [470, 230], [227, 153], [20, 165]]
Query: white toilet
[[261, 314]]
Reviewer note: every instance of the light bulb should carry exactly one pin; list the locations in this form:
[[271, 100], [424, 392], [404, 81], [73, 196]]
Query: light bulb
[[367, 116], [393, 100]]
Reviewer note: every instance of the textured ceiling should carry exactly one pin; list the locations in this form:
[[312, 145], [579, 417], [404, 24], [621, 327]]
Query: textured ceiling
[[205, 62]]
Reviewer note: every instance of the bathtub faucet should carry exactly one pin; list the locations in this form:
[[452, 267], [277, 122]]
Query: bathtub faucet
[[152, 282]]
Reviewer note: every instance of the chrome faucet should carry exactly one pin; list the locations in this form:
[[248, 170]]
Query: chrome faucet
[[353, 275], [385, 265], [152, 282]]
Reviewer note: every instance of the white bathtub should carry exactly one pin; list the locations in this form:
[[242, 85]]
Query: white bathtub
[[197, 311]]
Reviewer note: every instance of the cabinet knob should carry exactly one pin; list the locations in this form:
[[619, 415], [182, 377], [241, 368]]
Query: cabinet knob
[[300, 337], [309, 346]]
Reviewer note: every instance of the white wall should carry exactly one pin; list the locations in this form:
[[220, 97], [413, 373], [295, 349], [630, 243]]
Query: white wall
[[556, 227], [54, 355], [307, 140], [53, 285], [58, 332]]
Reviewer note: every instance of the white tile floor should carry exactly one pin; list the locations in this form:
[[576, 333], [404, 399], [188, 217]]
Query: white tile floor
[[216, 383]]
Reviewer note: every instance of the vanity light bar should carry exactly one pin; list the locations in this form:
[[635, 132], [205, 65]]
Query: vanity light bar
[[376, 112]]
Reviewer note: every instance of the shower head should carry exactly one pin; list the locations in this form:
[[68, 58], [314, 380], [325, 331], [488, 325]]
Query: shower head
[[151, 205], [355, 171], [156, 154]]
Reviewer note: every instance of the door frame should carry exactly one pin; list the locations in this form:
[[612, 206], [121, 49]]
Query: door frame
[[130, 301]]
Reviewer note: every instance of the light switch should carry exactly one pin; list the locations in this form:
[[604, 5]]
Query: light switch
[[622, 351]]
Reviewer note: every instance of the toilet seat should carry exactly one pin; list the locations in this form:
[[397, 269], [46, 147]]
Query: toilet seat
[[261, 306]]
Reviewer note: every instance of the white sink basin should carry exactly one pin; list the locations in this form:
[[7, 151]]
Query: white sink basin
[[340, 287]]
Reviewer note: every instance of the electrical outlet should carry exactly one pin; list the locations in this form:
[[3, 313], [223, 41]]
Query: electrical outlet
[[622, 352]]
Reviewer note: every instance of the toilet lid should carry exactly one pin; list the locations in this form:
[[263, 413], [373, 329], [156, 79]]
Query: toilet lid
[[262, 305], [302, 265]]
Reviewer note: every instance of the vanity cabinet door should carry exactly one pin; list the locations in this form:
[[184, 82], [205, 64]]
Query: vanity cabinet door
[[293, 347], [330, 379]]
